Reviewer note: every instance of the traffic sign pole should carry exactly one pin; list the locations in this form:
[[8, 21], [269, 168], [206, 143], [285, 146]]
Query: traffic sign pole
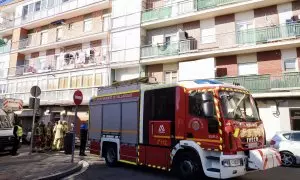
[[77, 98], [35, 92]]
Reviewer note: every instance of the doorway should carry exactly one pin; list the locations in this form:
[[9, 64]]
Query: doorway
[[295, 119]]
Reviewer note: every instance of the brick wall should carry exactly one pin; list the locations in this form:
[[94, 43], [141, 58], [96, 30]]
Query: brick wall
[[269, 62], [35, 55], [270, 12], [226, 66], [298, 57]]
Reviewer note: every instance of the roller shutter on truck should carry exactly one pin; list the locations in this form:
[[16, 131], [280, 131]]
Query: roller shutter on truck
[[114, 115]]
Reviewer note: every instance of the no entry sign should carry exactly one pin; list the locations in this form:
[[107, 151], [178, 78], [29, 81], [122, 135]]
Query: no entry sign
[[77, 97]]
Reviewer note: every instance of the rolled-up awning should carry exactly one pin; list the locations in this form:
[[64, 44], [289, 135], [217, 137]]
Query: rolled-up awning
[[82, 116], [25, 113]]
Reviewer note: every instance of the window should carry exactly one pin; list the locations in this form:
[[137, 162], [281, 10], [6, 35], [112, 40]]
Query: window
[[98, 80], [44, 37], [63, 82], [160, 104], [290, 65], [87, 26], [1, 69], [208, 31], [65, 1], [87, 81], [50, 4], [287, 135], [247, 68], [170, 76], [71, 26], [195, 104], [25, 11], [296, 137], [3, 88], [38, 6], [59, 33]]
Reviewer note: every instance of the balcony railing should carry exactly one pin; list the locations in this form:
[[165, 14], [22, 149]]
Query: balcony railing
[[59, 97], [244, 38], [52, 64], [36, 39], [168, 49], [266, 83], [53, 9], [6, 24], [183, 7], [5, 49]]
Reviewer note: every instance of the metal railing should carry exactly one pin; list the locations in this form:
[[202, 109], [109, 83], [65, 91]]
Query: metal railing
[[183, 7], [168, 49], [5, 49], [35, 39], [229, 40], [54, 9], [266, 83], [50, 64], [6, 24]]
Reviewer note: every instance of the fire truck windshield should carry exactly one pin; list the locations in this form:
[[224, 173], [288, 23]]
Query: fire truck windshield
[[238, 106]]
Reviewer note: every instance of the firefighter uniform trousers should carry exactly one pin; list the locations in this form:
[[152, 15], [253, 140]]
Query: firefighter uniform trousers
[[37, 138], [49, 137], [58, 136]]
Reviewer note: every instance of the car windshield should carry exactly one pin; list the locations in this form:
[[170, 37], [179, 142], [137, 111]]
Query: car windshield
[[5, 122], [238, 106]]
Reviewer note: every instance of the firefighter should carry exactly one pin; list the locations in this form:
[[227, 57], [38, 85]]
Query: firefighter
[[58, 136], [18, 132], [36, 137], [42, 136], [49, 136]]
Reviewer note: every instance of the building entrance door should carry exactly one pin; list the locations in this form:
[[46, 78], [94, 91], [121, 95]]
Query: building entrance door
[[295, 119]]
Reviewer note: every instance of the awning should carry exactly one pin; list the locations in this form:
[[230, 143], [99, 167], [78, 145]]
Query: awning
[[25, 113], [82, 116]]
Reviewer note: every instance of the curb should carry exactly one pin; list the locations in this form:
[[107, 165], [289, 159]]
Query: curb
[[64, 174]]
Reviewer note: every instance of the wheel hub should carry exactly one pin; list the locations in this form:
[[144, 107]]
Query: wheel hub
[[187, 167], [287, 159]]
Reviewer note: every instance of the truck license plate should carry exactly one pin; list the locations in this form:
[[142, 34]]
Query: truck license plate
[[252, 145]]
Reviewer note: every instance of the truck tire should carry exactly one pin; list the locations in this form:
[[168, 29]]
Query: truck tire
[[188, 166], [111, 158]]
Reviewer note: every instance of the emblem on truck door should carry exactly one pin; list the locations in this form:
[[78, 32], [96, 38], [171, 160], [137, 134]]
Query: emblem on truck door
[[161, 129]]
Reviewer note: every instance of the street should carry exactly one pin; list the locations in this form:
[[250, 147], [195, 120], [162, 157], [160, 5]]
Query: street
[[100, 171]]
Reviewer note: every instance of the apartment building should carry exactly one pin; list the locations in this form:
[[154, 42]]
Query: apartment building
[[62, 45], [59, 45]]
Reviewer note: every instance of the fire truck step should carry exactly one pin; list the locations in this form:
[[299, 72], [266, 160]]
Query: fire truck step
[[213, 169], [213, 158]]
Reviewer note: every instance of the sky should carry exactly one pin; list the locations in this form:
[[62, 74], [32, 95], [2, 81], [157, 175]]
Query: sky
[[3, 2]]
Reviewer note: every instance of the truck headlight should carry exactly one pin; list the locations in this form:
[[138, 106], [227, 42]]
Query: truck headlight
[[233, 162]]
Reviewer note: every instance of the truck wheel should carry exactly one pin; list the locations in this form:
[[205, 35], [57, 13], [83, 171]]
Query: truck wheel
[[188, 166], [111, 156], [287, 159]]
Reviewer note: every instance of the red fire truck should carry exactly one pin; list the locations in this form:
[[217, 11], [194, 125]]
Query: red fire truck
[[199, 127]]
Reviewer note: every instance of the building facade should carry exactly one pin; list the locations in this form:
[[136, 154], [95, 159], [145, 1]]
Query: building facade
[[63, 45]]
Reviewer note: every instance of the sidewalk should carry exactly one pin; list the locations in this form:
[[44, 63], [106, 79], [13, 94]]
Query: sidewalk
[[39, 165]]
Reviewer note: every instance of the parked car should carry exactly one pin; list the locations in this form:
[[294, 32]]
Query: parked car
[[288, 144]]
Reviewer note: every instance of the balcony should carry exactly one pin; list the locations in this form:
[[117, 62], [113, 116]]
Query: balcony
[[56, 11], [6, 24], [56, 97], [266, 83], [183, 7], [67, 36], [245, 41], [68, 61]]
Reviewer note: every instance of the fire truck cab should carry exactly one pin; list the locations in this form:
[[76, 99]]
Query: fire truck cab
[[195, 128]]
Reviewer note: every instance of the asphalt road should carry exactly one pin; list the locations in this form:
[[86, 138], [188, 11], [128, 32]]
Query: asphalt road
[[125, 172]]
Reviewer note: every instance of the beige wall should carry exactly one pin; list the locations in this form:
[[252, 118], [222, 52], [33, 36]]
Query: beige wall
[[225, 30], [156, 71]]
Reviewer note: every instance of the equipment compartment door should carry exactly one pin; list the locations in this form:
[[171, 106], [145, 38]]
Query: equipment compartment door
[[160, 133]]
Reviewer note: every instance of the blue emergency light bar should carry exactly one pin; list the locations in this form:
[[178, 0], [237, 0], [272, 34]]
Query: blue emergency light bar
[[208, 81]]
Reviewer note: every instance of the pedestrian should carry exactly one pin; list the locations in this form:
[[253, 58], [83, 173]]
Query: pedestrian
[[83, 138], [58, 136], [18, 132]]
